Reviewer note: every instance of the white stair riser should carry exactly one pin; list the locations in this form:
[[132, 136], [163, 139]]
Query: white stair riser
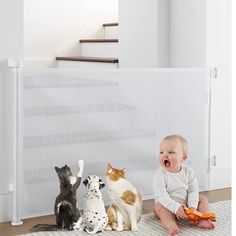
[[67, 110], [86, 123], [71, 96], [99, 50], [81, 64], [127, 149], [111, 32]]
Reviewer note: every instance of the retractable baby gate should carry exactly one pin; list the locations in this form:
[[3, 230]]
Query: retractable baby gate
[[116, 116]]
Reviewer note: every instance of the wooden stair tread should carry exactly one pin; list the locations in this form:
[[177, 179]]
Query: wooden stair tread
[[98, 40], [88, 59], [110, 24]]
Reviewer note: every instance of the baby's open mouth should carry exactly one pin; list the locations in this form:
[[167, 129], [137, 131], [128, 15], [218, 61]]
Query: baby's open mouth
[[167, 163]]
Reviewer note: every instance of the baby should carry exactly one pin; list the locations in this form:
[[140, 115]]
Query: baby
[[176, 186]]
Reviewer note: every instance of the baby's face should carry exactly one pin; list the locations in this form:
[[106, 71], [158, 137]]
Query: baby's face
[[171, 155]]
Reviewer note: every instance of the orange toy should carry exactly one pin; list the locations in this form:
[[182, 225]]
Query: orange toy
[[194, 215]]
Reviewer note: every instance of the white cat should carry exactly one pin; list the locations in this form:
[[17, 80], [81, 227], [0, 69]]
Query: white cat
[[126, 211]]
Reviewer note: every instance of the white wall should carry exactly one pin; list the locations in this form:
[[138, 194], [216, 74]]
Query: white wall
[[138, 33], [187, 33], [218, 54], [144, 33], [200, 36], [163, 33], [56, 26], [11, 29]]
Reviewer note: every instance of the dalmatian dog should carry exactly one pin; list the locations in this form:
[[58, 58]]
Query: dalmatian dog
[[95, 218]]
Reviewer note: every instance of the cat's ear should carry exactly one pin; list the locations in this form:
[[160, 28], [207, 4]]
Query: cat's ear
[[85, 182], [57, 169], [109, 166], [101, 184], [124, 170]]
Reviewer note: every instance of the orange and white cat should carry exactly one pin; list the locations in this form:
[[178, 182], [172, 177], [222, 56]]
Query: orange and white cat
[[126, 210]]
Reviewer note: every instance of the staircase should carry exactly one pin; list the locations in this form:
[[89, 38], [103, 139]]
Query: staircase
[[96, 52]]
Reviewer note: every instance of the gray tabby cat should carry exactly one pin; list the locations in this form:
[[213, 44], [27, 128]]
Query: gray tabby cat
[[67, 214]]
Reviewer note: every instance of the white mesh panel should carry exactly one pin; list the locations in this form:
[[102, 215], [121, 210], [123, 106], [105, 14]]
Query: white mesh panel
[[101, 116]]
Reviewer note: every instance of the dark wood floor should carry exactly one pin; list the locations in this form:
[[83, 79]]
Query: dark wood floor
[[7, 230]]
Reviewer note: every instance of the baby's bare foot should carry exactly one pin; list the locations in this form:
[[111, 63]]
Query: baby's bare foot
[[206, 224], [173, 232]]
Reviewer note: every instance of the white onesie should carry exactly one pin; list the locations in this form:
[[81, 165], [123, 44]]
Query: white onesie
[[174, 189]]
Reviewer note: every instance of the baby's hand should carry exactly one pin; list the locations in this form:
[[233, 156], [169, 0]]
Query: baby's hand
[[81, 163], [180, 214]]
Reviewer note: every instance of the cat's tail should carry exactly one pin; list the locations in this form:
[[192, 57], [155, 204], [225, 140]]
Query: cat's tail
[[45, 227]]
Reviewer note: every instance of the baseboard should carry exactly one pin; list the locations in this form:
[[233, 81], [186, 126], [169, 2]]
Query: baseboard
[[6, 207], [220, 177]]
